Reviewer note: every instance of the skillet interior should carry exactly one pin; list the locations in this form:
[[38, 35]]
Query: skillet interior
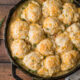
[[12, 60]]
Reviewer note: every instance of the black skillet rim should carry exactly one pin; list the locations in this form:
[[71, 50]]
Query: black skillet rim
[[13, 61]]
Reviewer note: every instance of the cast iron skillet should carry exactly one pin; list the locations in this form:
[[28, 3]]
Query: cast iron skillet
[[15, 63]]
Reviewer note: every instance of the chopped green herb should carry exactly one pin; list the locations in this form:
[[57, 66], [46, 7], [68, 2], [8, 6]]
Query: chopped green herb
[[11, 39], [75, 48], [34, 45], [61, 8], [1, 22], [47, 28], [66, 15], [32, 71], [22, 64], [15, 58], [23, 8], [26, 4], [62, 31], [19, 14], [32, 60], [44, 57], [66, 25], [23, 19], [72, 1]]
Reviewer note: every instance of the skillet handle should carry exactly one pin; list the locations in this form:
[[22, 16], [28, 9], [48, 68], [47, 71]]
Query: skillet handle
[[14, 72]]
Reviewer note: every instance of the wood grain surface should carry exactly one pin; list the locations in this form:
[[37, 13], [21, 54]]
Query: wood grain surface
[[6, 73], [9, 2], [4, 10], [5, 64]]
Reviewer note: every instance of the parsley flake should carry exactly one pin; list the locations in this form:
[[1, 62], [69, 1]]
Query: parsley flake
[[1, 22]]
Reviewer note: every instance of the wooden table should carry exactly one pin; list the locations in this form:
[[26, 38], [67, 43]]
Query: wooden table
[[5, 64]]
